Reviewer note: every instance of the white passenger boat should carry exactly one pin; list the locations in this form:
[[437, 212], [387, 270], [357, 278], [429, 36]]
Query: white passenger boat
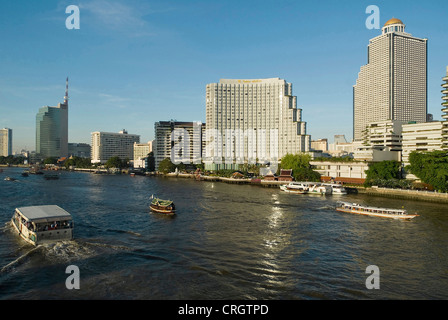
[[294, 187], [336, 188], [374, 211], [38, 224]]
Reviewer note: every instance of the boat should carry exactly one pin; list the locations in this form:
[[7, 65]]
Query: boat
[[39, 224], [162, 206], [307, 188], [336, 188], [374, 211], [25, 174], [10, 179], [294, 187]]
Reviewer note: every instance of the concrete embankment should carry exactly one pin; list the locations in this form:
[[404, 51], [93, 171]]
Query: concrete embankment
[[403, 194]]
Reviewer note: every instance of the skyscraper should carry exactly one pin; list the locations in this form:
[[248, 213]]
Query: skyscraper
[[5, 142], [52, 129], [393, 84], [251, 121], [445, 111]]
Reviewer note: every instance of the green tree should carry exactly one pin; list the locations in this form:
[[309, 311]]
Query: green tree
[[386, 170], [300, 166], [151, 162], [114, 162], [51, 160], [430, 168], [166, 166]]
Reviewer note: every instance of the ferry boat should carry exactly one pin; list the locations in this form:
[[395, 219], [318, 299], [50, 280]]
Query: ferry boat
[[162, 206], [38, 224], [374, 211], [336, 188], [294, 187]]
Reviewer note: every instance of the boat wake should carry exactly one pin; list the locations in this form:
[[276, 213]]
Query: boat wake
[[19, 260]]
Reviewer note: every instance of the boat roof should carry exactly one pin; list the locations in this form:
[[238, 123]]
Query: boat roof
[[45, 213]]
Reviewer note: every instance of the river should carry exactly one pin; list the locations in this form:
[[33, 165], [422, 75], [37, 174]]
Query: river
[[225, 242]]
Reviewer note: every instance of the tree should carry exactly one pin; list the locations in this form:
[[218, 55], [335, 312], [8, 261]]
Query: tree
[[430, 168], [300, 166], [51, 160], [114, 162], [386, 170], [166, 166], [151, 162]]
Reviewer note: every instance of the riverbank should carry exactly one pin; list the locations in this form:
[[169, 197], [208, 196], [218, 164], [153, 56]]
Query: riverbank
[[416, 195]]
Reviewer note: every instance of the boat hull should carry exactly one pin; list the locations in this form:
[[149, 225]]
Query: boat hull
[[162, 210], [390, 216]]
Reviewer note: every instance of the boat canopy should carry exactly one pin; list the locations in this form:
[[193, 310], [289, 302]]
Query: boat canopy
[[163, 203], [48, 213]]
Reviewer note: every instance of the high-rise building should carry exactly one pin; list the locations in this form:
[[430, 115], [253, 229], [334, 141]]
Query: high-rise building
[[81, 150], [185, 139], [252, 121], [445, 111], [52, 129], [5, 142], [106, 145], [393, 84]]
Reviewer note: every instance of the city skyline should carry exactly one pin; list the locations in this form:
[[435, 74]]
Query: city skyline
[[133, 63]]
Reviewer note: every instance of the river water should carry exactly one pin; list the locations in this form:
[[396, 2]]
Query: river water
[[225, 242]]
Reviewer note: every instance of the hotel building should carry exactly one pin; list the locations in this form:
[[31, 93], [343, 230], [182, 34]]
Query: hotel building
[[250, 121], [185, 139], [5, 142], [141, 151], [393, 84], [423, 137], [52, 130], [106, 145], [445, 111]]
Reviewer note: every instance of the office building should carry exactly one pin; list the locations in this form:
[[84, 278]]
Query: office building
[[393, 84], [319, 145], [383, 134], [252, 121], [52, 130], [5, 142], [423, 137], [445, 111], [182, 142], [106, 145], [81, 150]]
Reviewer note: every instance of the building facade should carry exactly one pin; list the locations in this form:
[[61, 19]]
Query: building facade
[[393, 84], [5, 142], [252, 121], [141, 151], [182, 142], [383, 134], [445, 111], [424, 137], [81, 150], [106, 145], [52, 130]]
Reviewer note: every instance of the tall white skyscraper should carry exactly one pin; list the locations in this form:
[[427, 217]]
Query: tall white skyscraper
[[393, 84], [5, 142], [252, 121], [52, 129], [445, 111]]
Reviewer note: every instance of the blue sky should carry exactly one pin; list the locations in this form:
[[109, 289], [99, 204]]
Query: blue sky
[[136, 62]]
